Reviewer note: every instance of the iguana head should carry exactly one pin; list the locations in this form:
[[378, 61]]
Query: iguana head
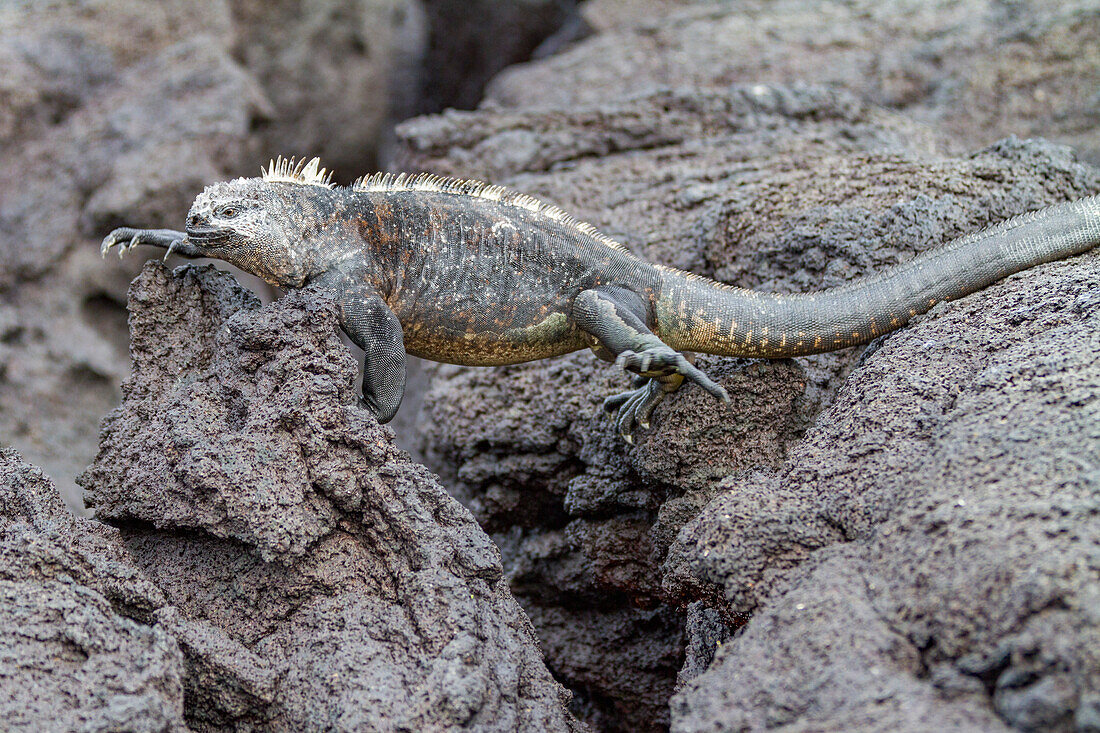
[[264, 225]]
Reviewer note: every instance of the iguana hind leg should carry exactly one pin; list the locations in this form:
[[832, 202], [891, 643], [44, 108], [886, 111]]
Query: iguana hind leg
[[614, 320]]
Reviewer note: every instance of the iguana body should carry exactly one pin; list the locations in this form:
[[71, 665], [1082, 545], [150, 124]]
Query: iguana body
[[466, 273]]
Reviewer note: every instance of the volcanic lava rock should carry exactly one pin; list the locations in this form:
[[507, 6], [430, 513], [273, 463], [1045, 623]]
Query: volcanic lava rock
[[316, 576]]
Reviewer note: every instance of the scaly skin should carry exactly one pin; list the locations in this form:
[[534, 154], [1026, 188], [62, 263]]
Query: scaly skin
[[465, 273]]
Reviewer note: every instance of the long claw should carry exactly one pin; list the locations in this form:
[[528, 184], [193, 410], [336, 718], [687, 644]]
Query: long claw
[[633, 408], [126, 239], [112, 240], [694, 374], [646, 408]]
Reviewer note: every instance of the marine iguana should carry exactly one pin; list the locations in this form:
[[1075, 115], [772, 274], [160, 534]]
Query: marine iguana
[[470, 273]]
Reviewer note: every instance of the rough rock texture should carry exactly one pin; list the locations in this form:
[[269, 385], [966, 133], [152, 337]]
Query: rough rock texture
[[70, 658], [917, 553], [318, 578], [977, 70], [120, 111], [782, 188], [960, 464]]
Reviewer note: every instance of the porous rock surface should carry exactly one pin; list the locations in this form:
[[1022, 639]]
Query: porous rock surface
[[775, 187], [960, 465], [78, 650], [977, 70], [316, 577]]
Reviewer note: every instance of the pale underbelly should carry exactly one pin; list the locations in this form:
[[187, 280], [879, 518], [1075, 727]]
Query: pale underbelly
[[553, 336]]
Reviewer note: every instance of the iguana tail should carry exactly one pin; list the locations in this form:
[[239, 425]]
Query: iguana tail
[[696, 314]]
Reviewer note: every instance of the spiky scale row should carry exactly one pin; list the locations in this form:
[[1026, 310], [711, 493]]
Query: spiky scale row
[[432, 183], [309, 173]]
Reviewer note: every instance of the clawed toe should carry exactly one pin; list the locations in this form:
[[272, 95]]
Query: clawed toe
[[126, 238], [632, 409], [614, 402], [113, 239]]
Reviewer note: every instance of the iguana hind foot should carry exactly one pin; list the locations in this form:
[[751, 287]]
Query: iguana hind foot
[[663, 361], [634, 407]]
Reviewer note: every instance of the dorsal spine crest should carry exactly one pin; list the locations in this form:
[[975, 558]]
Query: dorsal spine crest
[[432, 183], [308, 173]]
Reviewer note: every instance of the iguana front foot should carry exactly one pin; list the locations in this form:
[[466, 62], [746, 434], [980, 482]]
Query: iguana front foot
[[126, 238]]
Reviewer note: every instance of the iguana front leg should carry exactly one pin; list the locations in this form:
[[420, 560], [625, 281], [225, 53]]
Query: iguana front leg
[[614, 320], [373, 327], [126, 238]]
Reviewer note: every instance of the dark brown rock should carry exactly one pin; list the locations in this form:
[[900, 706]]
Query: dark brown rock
[[318, 576], [958, 467]]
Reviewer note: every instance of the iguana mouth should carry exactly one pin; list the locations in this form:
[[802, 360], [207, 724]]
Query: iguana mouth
[[204, 234]]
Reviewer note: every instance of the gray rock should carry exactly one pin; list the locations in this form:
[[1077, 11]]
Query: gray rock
[[706, 631], [68, 659], [469, 41], [319, 578], [778, 188], [132, 137], [336, 73], [120, 112], [976, 70], [954, 487]]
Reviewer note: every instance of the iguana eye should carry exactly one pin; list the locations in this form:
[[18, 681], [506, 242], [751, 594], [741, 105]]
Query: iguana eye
[[227, 212]]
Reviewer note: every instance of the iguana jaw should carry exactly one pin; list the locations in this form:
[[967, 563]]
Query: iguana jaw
[[201, 236], [194, 232]]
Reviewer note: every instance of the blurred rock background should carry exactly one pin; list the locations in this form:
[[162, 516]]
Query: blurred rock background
[[782, 145]]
